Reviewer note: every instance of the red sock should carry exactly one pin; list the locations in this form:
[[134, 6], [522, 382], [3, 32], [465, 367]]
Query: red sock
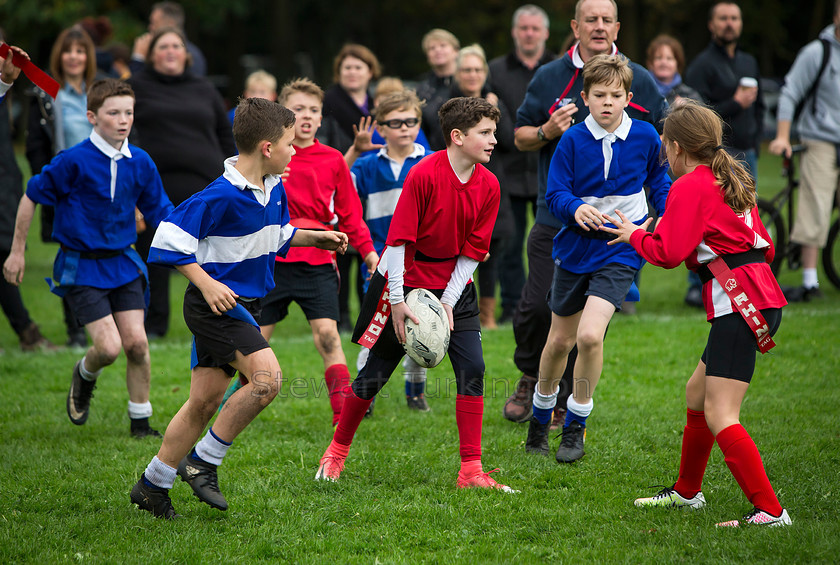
[[696, 446], [351, 416], [742, 458], [468, 413], [338, 378]]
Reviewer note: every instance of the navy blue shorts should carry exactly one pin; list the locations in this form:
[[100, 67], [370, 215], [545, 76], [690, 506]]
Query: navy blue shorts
[[730, 349], [89, 304], [569, 291], [313, 287], [218, 338]]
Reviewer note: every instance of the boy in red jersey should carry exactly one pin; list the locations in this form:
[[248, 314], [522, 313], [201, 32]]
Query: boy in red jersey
[[321, 195], [439, 233]]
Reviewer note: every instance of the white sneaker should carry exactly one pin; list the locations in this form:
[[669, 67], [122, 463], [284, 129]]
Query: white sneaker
[[669, 498], [759, 518]]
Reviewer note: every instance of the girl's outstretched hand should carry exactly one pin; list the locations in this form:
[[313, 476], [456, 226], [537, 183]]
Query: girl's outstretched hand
[[624, 229]]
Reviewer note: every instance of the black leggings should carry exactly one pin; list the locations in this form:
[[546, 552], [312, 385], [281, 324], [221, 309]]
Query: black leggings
[[464, 351]]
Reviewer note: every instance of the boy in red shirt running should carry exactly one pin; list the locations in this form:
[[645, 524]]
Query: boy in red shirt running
[[439, 233]]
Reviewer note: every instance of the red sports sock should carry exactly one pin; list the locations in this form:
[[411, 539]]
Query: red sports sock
[[696, 447], [338, 378], [468, 413], [351, 416], [742, 458], [470, 468]]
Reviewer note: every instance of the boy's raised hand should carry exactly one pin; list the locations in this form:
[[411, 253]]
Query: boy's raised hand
[[363, 135], [588, 217], [624, 229], [399, 312], [9, 70]]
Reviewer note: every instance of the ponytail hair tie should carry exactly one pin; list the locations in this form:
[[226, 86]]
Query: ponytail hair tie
[[718, 148]]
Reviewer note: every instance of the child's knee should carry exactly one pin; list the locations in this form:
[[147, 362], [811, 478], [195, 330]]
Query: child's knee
[[107, 350], [561, 344], [266, 385], [590, 339], [328, 340], [137, 352]]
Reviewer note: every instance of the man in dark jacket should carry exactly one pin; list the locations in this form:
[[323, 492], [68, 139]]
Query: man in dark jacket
[[727, 79], [509, 78]]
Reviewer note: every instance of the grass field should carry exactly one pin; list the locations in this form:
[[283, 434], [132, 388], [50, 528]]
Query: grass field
[[64, 489]]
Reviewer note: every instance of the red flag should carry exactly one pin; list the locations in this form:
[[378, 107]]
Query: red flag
[[41, 79]]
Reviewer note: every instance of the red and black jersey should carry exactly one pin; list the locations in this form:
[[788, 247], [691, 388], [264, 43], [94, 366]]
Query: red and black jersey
[[321, 195], [698, 226], [439, 218]]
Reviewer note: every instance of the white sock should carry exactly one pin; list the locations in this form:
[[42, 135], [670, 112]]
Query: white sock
[[139, 410], [413, 372], [545, 401], [809, 278], [211, 448], [362, 359], [160, 474], [583, 410], [87, 375]]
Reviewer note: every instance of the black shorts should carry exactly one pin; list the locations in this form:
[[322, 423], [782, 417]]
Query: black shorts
[[569, 290], [465, 316], [218, 338], [89, 304], [730, 349], [313, 287]]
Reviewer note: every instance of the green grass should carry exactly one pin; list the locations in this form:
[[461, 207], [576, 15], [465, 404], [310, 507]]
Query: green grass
[[64, 489]]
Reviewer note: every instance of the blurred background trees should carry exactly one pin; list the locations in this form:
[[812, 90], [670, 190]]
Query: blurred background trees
[[291, 38]]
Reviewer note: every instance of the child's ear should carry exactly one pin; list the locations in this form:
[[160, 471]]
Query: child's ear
[[629, 96], [91, 117], [457, 136], [585, 98], [265, 149]]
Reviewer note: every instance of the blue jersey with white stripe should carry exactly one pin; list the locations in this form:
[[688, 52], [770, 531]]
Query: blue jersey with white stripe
[[379, 189], [579, 174], [232, 230]]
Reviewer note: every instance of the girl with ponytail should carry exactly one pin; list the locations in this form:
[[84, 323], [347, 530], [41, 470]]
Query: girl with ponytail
[[712, 224]]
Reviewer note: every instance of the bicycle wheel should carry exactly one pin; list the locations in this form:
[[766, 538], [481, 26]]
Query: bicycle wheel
[[831, 254], [775, 224]]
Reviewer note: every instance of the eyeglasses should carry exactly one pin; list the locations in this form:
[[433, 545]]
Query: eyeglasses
[[397, 124]]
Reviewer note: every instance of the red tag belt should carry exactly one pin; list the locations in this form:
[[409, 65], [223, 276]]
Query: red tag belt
[[41, 79], [743, 304]]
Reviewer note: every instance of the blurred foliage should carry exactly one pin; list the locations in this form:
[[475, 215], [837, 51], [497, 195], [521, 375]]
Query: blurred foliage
[[293, 38]]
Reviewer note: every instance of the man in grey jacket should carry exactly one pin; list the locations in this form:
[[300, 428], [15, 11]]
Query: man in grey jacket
[[819, 129]]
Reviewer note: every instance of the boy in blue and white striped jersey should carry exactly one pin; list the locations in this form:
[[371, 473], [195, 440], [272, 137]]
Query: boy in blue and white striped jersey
[[224, 240]]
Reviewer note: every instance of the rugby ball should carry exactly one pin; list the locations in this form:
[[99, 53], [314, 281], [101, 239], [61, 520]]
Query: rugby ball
[[426, 343]]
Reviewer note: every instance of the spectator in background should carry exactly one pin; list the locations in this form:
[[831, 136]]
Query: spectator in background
[[165, 15], [55, 125], [509, 78], [120, 60], [259, 84], [181, 121], [665, 61], [349, 99], [10, 192], [819, 127], [727, 79], [441, 48]]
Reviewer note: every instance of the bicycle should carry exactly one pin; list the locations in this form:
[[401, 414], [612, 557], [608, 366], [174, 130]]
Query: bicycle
[[777, 215]]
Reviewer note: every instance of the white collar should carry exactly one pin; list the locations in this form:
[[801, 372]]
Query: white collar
[[578, 62], [108, 149], [234, 177], [418, 151], [600, 133]]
